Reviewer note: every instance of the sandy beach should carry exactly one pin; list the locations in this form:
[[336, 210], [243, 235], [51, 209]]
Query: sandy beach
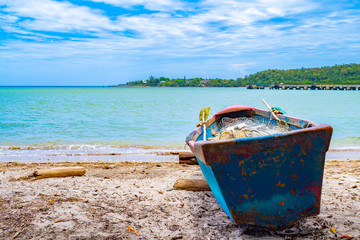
[[123, 200]]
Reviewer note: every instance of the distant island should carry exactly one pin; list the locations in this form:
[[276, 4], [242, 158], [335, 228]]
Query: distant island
[[346, 74]]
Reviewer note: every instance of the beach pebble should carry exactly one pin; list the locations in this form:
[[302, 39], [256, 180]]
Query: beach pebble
[[174, 227], [347, 236], [109, 166], [177, 237]]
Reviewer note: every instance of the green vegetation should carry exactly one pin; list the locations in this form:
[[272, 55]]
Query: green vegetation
[[342, 74], [182, 82], [346, 74]]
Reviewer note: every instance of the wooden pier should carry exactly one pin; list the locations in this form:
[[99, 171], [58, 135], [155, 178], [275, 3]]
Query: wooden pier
[[305, 87]]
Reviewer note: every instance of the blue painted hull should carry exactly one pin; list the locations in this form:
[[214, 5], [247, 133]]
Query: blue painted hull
[[270, 181]]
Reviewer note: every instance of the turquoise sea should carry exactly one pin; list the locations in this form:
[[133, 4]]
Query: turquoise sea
[[91, 121]]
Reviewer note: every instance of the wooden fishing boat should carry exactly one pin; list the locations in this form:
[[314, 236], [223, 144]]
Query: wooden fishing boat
[[270, 181]]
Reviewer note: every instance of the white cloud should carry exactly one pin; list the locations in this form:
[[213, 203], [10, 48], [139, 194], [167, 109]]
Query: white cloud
[[8, 18], [241, 67], [157, 5], [201, 28], [221, 29], [47, 15]]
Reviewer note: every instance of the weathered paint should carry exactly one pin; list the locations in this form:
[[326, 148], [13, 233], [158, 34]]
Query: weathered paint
[[271, 181]]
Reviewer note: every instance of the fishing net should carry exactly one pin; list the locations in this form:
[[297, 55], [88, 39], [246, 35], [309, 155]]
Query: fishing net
[[243, 127]]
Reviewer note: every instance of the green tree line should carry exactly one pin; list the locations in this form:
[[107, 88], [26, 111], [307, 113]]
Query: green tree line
[[346, 74]]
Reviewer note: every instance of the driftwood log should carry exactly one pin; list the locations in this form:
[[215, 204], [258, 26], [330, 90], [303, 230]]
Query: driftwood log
[[52, 173], [187, 158], [191, 185], [59, 172]]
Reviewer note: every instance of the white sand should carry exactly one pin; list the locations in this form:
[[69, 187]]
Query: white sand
[[134, 201]]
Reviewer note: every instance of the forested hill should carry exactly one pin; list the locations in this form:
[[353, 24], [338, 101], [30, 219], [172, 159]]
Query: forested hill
[[346, 74], [341, 74]]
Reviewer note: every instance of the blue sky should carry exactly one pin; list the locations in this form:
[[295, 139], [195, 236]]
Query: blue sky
[[103, 42]]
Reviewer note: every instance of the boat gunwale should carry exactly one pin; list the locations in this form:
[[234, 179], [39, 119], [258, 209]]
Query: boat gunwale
[[191, 138]]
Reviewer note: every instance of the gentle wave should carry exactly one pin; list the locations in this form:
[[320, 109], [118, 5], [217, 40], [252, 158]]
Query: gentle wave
[[115, 153], [349, 143], [109, 149], [54, 149], [345, 149], [83, 146]]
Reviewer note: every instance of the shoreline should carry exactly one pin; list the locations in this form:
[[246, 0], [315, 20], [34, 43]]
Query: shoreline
[[119, 151], [139, 158], [135, 200], [343, 154], [129, 154]]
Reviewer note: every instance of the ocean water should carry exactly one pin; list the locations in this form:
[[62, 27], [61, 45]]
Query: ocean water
[[92, 121]]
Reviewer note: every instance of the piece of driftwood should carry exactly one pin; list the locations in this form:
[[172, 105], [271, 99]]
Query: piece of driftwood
[[191, 185], [59, 172], [187, 158], [52, 173]]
